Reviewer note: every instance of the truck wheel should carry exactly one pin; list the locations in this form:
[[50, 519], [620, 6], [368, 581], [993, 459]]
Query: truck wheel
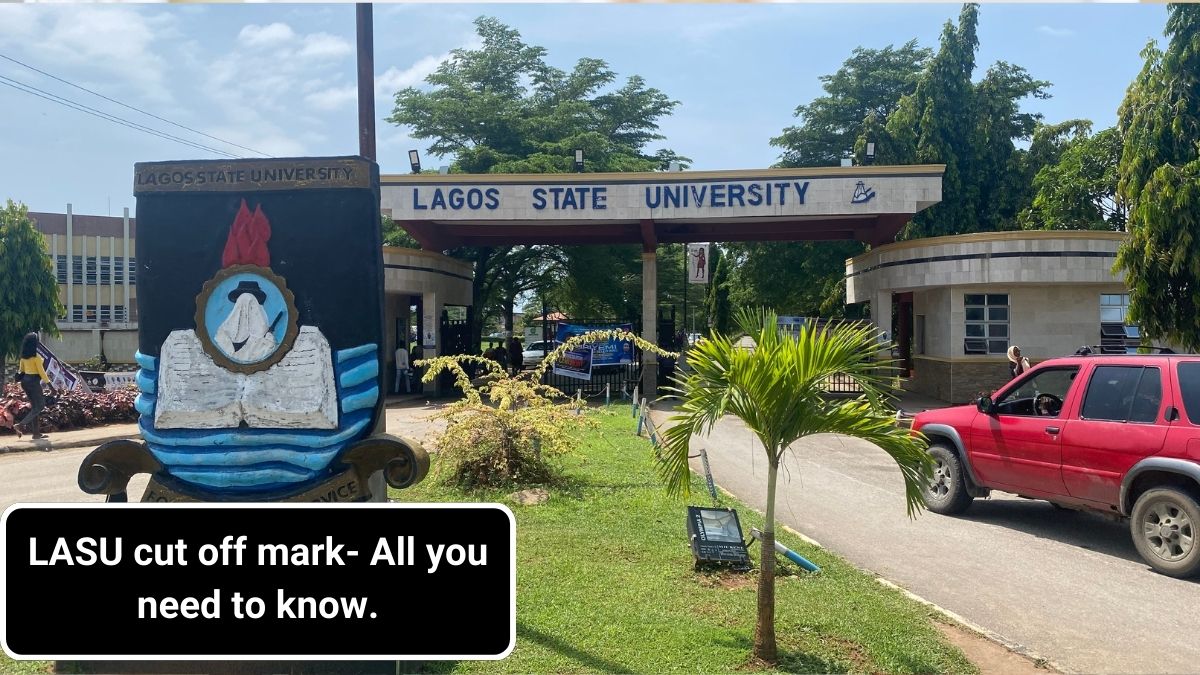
[[1165, 524], [947, 492]]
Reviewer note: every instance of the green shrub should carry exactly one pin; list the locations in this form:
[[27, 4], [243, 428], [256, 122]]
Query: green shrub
[[510, 430]]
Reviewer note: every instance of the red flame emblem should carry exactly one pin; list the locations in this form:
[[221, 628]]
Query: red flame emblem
[[247, 242]]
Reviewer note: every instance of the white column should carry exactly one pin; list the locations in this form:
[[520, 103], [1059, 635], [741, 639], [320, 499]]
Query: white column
[[54, 256], [70, 268], [431, 321], [112, 283], [881, 316], [99, 290], [649, 322], [83, 274], [125, 239]]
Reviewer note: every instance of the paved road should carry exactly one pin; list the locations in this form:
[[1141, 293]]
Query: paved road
[[1068, 586], [49, 476]]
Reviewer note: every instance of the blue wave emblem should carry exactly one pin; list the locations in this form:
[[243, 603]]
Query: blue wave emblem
[[256, 460]]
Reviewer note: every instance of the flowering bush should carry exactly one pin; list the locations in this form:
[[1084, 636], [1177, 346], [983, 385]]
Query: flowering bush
[[510, 431], [73, 409]]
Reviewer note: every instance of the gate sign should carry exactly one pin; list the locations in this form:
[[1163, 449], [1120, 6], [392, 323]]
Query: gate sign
[[698, 267], [607, 353], [59, 373], [261, 301]]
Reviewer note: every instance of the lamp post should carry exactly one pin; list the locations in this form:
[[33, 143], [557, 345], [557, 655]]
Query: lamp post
[[578, 161], [870, 158], [414, 159]]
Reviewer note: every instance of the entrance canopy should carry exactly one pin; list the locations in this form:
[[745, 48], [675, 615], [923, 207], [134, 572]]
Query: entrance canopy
[[866, 203]]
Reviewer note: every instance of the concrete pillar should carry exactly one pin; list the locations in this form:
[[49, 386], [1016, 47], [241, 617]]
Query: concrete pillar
[[649, 322], [431, 323], [881, 316], [125, 236], [70, 268]]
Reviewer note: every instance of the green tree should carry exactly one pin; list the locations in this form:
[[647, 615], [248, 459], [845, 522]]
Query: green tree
[[1079, 190], [778, 390], [870, 83], [27, 283], [394, 235], [814, 274], [718, 294], [502, 109], [1159, 172], [970, 127]]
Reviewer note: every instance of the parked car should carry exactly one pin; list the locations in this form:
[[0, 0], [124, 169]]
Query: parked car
[[1113, 434], [534, 352]]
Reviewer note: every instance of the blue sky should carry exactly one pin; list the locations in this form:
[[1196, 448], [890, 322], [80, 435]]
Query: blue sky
[[281, 78]]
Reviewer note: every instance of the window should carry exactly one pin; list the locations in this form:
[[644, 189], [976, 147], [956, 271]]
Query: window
[[77, 314], [77, 269], [987, 323], [1123, 393], [105, 271], [60, 268], [132, 271], [1189, 386], [1041, 395], [91, 271], [1117, 335]]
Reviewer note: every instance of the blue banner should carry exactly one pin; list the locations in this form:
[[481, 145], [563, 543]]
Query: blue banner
[[607, 353]]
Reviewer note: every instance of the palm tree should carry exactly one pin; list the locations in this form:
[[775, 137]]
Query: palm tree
[[778, 390]]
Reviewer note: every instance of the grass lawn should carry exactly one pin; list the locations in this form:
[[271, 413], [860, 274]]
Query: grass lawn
[[605, 582]]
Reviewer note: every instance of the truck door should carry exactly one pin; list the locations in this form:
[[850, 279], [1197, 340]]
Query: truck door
[[1017, 448], [1120, 421]]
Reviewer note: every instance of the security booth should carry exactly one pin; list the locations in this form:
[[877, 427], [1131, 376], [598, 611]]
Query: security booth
[[261, 344]]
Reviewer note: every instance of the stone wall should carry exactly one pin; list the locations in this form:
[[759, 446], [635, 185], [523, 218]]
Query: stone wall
[[959, 381]]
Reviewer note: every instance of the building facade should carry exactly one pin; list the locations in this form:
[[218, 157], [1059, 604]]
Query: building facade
[[954, 305]]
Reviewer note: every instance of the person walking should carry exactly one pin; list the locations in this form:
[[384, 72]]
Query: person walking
[[31, 374], [515, 357], [1017, 364]]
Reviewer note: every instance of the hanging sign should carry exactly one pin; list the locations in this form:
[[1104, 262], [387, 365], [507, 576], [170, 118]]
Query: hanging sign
[[698, 263]]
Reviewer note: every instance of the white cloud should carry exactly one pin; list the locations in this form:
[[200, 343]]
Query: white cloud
[[332, 98], [253, 35], [110, 48], [324, 45], [16, 21], [1056, 32], [394, 79]]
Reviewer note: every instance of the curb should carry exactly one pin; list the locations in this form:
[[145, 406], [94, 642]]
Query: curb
[[1011, 646], [34, 446]]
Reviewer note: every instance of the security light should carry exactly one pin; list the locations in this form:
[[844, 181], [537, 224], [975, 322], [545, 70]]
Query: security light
[[579, 161], [674, 166], [870, 153], [443, 170], [414, 158], [716, 537]]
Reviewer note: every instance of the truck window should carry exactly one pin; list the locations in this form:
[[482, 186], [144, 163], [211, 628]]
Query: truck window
[[1041, 395], [1123, 394], [1189, 386]]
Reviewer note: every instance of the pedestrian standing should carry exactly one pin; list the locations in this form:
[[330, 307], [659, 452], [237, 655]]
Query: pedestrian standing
[[1017, 364], [402, 374], [31, 374]]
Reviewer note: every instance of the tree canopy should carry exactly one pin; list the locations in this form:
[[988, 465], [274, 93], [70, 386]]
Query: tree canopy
[[28, 284], [1159, 177], [501, 108]]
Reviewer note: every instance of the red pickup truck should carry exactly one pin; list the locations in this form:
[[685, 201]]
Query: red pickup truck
[[1118, 434]]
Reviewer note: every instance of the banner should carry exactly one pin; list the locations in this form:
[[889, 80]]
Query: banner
[[576, 363], [60, 374], [607, 353], [698, 255]]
